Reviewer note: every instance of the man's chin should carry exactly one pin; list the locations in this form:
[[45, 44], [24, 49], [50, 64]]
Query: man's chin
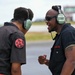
[[50, 31]]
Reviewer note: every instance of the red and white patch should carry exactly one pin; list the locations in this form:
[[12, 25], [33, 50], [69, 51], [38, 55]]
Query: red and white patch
[[19, 43]]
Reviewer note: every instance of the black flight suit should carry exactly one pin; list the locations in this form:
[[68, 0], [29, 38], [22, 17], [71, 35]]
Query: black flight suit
[[57, 58], [12, 47]]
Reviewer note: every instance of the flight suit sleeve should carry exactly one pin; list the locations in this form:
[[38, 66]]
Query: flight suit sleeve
[[68, 38], [18, 50]]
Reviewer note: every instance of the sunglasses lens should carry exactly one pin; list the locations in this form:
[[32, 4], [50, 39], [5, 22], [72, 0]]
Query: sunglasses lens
[[48, 18]]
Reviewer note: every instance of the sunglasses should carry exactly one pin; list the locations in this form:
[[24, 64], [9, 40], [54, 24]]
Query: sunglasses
[[48, 18]]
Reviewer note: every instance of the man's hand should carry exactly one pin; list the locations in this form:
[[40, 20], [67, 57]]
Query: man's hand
[[42, 59]]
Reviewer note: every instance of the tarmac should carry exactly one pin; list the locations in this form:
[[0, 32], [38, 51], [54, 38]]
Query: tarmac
[[40, 28]]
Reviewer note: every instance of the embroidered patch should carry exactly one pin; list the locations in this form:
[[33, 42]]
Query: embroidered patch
[[19, 43]]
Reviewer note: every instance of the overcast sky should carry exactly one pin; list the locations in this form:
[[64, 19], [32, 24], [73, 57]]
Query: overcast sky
[[39, 7]]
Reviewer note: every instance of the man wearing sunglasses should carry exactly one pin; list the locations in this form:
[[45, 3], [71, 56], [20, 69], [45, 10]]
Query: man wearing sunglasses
[[62, 57]]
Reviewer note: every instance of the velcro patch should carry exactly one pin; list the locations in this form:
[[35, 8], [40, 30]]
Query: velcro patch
[[19, 43]]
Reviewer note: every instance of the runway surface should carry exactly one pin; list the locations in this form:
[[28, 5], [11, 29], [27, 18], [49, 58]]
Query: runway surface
[[40, 28], [35, 49]]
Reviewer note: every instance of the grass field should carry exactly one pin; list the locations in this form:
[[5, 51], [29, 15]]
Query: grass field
[[39, 23], [38, 36]]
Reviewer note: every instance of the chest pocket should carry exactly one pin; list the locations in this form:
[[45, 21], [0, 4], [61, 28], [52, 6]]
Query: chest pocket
[[57, 51], [57, 55]]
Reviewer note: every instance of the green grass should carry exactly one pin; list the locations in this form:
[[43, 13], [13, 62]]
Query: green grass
[[71, 22], [39, 23], [38, 36]]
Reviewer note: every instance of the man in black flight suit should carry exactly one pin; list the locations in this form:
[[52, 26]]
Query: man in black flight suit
[[13, 43], [62, 58]]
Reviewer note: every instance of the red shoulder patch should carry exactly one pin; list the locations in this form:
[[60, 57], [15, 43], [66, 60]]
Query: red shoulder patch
[[19, 43]]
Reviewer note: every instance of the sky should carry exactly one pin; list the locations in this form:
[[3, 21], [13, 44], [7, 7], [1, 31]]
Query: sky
[[39, 7]]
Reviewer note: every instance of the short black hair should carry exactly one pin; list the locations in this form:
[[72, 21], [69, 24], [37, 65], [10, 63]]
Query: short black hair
[[22, 14], [31, 15]]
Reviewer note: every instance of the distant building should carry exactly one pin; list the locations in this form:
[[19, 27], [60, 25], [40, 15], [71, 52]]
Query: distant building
[[69, 11]]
